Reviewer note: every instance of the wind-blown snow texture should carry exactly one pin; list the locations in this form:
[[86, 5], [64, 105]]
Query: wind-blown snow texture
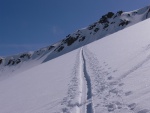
[[110, 75]]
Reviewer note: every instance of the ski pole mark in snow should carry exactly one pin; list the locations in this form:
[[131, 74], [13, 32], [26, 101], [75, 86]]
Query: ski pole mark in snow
[[72, 99]]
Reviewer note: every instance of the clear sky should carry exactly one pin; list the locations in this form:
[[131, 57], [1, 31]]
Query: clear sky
[[31, 24]]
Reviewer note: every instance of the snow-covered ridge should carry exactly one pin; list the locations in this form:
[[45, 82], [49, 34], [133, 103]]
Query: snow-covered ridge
[[106, 25]]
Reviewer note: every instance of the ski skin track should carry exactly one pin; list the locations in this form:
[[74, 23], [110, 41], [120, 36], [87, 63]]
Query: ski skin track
[[85, 89], [79, 105], [85, 96], [89, 86], [83, 85]]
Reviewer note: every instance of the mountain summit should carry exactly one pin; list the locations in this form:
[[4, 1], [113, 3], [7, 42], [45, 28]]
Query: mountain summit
[[93, 70]]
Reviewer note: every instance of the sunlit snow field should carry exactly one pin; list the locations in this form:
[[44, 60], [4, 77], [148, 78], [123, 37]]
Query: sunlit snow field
[[110, 75]]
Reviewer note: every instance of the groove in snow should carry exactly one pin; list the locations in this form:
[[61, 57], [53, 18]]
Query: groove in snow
[[88, 82]]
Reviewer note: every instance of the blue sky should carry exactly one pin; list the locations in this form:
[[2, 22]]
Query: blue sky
[[31, 24]]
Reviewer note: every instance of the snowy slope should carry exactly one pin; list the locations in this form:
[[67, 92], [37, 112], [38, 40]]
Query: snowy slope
[[110, 75], [106, 25]]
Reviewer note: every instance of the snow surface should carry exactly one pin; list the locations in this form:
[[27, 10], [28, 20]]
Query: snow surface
[[110, 75]]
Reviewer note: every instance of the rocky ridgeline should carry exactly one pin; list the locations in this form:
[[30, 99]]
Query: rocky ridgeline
[[107, 24], [17, 59]]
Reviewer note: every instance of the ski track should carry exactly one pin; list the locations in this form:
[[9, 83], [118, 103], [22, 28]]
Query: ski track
[[140, 64], [89, 86], [92, 88], [79, 96], [107, 95]]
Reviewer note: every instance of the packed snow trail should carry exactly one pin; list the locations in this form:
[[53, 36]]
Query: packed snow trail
[[90, 91], [79, 89], [89, 86], [79, 98]]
